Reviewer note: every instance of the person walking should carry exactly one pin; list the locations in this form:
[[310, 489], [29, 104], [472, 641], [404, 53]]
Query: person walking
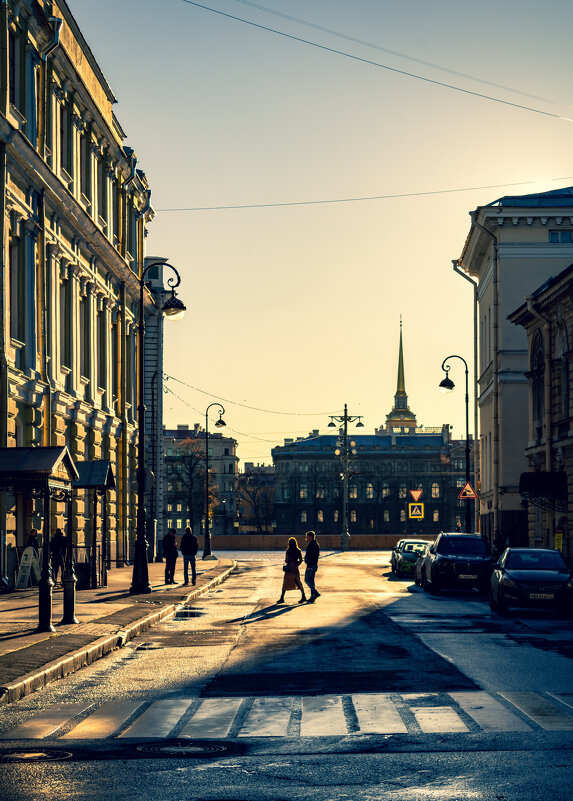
[[311, 556], [189, 547], [58, 547], [291, 580], [32, 541], [170, 554]]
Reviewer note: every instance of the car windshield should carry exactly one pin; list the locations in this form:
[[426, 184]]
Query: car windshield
[[462, 545], [414, 547], [545, 560]]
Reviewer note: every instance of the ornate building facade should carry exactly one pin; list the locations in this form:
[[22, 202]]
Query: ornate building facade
[[74, 211], [384, 468]]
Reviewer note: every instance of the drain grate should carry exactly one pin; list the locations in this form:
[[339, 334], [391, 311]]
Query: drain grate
[[185, 614], [189, 748], [34, 756]]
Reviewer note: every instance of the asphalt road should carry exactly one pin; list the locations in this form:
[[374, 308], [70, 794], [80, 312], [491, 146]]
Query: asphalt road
[[376, 691]]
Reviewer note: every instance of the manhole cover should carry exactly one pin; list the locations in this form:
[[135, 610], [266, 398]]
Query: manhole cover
[[33, 756], [192, 748]]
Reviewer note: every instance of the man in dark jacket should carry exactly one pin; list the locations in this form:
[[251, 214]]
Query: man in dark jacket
[[311, 559], [170, 554], [189, 547]]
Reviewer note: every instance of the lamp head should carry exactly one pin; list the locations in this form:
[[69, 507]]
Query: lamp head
[[447, 384], [173, 307], [359, 424], [220, 422], [332, 424]]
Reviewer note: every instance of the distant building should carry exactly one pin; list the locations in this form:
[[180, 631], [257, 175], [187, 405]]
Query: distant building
[[184, 480], [75, 211], [547, 486], [514, 244], [255, 505], [385, 467]]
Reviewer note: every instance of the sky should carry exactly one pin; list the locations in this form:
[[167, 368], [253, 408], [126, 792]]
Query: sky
[[311, 193]]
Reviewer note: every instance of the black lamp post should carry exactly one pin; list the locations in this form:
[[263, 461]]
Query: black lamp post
[[174, 309], [219, 424], [343, 452], [447, 385]]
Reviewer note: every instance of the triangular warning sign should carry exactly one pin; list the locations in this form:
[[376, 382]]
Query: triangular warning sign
[[416, 494], [468, 493]]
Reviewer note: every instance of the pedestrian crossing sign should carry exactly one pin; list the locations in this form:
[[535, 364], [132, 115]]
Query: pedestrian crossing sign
[[416, 510]]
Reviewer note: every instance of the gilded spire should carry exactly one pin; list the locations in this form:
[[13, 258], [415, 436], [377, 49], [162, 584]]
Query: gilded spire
[[400, 419], [401, 384]]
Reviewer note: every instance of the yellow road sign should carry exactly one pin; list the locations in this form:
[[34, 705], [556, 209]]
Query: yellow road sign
[[416, 510]]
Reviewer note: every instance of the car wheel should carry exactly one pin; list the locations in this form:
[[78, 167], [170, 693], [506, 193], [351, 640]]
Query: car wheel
[[502, 606], [392, 566], [435, 585], [424, 582], [493, 604]]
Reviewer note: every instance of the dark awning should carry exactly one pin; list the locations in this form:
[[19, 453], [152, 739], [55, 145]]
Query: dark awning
[[39, 467], [544, 485], [94, 474]]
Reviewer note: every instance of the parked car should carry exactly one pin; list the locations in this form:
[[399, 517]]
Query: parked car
[[457, 561], [405, 554], [531, 577], [419, 563]]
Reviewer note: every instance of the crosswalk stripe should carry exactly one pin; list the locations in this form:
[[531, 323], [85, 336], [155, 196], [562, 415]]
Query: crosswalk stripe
[[158, 720], [213, 718], [565, 698], [542, 711], [104, 721], [377, 714], [488, 713], [438, 719], [322, 716], [47, 722], [268, 717]]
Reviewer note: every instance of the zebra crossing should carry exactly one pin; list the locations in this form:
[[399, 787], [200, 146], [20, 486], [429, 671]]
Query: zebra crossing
[[306, 716]]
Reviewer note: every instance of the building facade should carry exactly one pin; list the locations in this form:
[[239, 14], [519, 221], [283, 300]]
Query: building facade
[[547, 486], [384, 469], [514, 243], [255, 504], [74, 211], [184, 497]]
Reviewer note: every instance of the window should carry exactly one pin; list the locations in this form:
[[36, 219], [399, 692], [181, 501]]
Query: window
[[335, 516], [436, 516], [285, 492], [435, 490], [320, 492], [303, 491], [84, 338], [14, 69], [369, 492], [402, 516], [85, 166], [16, 290], [101, 351], [65, 327], [303, 517], [385, 490], [320, 516], [386, 516], [353, 516], [179, 507], [353, 492], [460, 482], [402, 492], [562, 237]]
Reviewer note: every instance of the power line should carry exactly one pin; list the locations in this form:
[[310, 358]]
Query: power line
[[345, 199], [392, 52], [376, 63]]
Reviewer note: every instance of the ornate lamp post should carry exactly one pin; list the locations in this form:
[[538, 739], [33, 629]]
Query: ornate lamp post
[[219, 424], [344, 453], [447, 385], [174, 309]]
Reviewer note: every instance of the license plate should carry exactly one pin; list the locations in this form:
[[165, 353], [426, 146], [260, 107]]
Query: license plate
[[469, 576], [541, 596]]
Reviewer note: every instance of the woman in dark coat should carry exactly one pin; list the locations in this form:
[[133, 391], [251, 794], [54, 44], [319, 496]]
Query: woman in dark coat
[[291, 580]]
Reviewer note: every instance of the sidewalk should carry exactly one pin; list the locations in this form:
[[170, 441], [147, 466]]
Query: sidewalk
[[108, 618]]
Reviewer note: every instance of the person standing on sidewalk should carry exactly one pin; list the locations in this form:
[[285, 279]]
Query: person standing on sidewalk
[[170, 554], [189, 547], [58, 549], [311, 556]]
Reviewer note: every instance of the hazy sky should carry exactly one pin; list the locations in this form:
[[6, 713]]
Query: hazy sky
[[295, 308]]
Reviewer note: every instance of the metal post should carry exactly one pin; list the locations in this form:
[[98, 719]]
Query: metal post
[[93, 560], [468, 508], [45, 584], [345, 419], [207, 544], [69, 579], [104, 538]]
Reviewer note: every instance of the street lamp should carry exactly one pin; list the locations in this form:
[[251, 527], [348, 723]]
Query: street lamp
[[219, 424], [174, 309], [344, 453], [447, 385]]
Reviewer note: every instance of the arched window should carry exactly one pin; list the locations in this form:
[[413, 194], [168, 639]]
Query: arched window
[[303, 491], [353, 492], [353, 516], [435, 490], [369, 492], [385, 490], [320, 516], [561, 351]]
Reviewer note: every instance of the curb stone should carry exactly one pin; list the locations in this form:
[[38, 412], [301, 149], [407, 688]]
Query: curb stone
[[82, 657]]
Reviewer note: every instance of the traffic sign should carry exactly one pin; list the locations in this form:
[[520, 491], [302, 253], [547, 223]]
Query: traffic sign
[[416, 510], [468, 493], [416, 494]]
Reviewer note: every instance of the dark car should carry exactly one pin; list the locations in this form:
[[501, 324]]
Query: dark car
[[419, 564], [405, 554], [457, 561], [531, 577]]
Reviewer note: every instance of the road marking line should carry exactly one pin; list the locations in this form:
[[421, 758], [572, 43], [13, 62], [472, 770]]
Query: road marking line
[[213, 718], [565, 698], [46, 722], [104, 721], [544, 712], [268, 717], [322, 716], [488, 713], [438, 719], [377, 714], [159, 719]]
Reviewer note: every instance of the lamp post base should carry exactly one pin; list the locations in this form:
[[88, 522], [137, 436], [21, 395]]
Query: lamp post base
[[345, 541], [209, 557], [140, 580], [69, 582], [45, 605]]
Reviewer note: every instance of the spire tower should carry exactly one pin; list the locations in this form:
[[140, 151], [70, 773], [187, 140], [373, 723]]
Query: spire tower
[[401, 419]]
